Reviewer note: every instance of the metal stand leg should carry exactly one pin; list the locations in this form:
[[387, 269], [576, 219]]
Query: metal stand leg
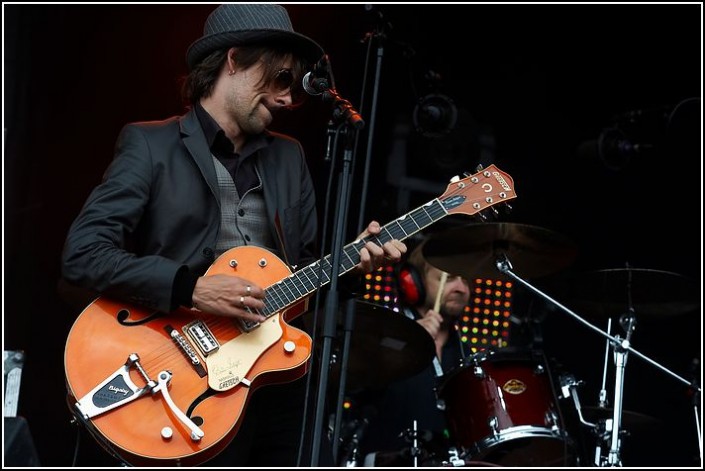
[[415, 451], [613, 458], [699, 431], [696, 411]]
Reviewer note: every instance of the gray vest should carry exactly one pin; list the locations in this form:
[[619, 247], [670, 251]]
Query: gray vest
[[243, 221]]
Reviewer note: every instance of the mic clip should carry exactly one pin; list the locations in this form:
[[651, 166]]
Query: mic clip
[[318, 85], [343, 109]]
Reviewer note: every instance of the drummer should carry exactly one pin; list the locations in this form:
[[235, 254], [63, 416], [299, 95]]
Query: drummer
[[435, 300]]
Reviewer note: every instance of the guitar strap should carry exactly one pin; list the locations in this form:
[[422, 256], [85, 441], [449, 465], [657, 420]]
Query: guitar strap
[[278, 230]]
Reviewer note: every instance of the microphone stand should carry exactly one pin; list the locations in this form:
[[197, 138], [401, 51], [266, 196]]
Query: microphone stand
[[344, 113], [621, 348], [350, 305]]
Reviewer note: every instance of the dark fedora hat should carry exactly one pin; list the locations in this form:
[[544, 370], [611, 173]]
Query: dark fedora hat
[[241, 24]]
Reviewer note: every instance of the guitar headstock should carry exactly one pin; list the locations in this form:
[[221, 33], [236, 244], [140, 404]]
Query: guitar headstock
[[477, 192]]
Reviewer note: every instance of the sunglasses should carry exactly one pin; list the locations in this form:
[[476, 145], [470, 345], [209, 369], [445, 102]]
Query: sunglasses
[[284, 80]]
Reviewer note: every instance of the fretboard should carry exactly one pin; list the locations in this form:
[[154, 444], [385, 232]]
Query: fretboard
[[303, 282]]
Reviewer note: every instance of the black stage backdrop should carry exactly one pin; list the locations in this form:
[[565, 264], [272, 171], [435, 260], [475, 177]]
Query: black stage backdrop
[[594, 110]]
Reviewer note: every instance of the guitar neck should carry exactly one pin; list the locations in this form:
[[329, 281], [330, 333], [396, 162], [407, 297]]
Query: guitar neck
[[319, 273], [469, 196]]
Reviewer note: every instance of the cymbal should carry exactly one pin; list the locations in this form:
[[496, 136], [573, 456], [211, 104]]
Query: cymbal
[[385, 346], [629, 419], [472, 251], [650, 293]]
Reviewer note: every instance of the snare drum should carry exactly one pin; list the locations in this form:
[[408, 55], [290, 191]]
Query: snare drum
[[501, 409]]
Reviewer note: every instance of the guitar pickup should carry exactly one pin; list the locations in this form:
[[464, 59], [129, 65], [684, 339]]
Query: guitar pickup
[[202, 336]]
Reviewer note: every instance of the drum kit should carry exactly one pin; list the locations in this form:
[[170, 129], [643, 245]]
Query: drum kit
[[503, 406]]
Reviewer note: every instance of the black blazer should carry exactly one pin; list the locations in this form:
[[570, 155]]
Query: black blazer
[[158, 208]]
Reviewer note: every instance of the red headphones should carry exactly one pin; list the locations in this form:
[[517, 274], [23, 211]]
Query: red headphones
[[410, 285]]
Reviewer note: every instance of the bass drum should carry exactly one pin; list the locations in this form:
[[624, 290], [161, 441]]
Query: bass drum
[[501, 408]]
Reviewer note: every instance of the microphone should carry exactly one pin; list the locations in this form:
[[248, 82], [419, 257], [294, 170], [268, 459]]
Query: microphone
[[320, 81], [315, 82]]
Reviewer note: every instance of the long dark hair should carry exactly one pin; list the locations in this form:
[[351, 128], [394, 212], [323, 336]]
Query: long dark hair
[[200, 82]]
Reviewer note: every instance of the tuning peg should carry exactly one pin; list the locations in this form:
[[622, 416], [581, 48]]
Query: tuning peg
[[479, 168], [489, 214], [455, 179]]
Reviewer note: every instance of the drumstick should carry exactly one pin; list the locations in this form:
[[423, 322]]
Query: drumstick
[[436, 307], [439, 294]]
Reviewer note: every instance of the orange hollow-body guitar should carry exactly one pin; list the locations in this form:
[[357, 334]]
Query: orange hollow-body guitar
[[164, 389]]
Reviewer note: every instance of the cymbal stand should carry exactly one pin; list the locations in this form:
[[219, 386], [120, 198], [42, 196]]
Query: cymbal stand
[[697, 425], [603, 391], [696, 407], [415, 450], [696, 403], [621, 348], [605, 428], [412, 435]]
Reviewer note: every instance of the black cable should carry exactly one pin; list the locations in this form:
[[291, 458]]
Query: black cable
[[74, 462]]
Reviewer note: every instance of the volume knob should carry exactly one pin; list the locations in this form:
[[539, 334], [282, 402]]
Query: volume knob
[[289, 346]]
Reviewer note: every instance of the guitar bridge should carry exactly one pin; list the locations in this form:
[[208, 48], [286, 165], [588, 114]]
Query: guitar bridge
[[117, 390]]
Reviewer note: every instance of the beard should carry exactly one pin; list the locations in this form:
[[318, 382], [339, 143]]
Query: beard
[[453, 308], [254, 122], [251, 118]]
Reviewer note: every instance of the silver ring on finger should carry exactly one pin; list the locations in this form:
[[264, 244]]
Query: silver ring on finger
[[242, 301], [249, 290]]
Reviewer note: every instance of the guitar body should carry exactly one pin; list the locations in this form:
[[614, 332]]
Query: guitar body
[[107, 332]]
